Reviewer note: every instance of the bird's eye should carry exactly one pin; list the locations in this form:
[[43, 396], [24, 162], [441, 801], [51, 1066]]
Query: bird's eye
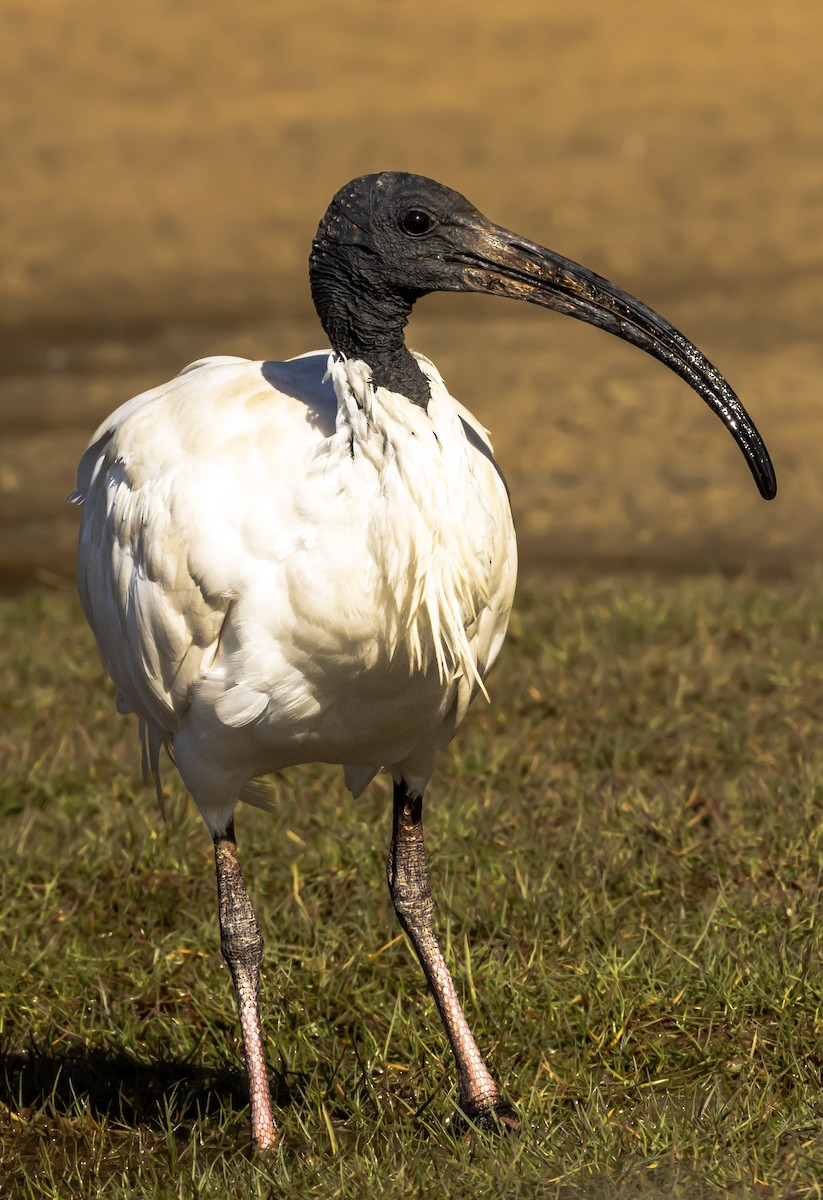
[[415, 222]]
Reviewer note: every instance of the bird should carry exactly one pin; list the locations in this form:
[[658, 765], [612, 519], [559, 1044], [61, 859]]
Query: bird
[[314, 560]]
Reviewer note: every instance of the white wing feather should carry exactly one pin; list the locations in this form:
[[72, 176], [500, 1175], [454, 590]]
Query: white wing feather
[[160, 540], [273, 564]]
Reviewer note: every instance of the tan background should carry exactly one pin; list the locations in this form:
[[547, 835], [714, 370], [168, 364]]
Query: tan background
[[165, 163]]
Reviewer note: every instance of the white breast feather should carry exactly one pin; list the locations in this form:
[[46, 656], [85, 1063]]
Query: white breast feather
[[434, 535], [263, 534]]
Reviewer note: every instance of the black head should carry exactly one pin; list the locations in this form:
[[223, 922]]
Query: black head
[[398, 229], [388, 239], [385, 241]]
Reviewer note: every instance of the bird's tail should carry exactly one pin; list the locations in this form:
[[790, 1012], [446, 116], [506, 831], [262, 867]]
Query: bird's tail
[[152, 740]]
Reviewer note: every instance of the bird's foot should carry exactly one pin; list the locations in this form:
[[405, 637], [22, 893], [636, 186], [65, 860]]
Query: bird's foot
[[498, 1118], [266, 1144]]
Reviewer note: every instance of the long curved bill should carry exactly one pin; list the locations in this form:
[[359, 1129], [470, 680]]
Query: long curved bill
[[504, 264]]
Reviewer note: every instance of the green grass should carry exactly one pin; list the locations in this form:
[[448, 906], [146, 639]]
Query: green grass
[[626, 852]]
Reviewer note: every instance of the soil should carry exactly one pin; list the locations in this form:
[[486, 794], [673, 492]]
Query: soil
[[165, 165]]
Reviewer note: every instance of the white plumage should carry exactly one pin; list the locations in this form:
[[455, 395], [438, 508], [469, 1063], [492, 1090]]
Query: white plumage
[[314, 560], [282, 564]]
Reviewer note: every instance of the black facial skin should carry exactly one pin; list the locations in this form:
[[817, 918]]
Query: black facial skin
[[388, 239]]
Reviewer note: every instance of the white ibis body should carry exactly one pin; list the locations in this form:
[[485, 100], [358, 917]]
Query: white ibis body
[[314, 560]]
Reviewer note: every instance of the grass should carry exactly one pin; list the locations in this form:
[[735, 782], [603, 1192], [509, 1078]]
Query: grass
[[626, 852]]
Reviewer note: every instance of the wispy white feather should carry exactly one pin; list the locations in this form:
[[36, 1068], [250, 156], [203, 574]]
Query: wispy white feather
[[283, 563]]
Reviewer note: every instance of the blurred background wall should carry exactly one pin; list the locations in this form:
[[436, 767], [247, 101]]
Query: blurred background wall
[[165, 164]]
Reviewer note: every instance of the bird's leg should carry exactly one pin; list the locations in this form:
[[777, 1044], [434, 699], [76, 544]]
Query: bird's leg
[[408, 876], [242, 948]]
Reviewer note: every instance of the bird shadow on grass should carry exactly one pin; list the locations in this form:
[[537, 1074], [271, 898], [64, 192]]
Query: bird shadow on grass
[[114, 1085]]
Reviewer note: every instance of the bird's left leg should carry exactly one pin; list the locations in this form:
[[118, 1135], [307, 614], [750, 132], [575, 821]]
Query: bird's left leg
[[242, 947], [408, 876]]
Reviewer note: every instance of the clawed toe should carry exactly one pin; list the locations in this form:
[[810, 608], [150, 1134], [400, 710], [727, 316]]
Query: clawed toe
[[500, 1118]]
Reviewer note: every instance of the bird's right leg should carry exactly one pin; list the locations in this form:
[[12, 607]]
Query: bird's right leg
[[242, 946], [408, 876]]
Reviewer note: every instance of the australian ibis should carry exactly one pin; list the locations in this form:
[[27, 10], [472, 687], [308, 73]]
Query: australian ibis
[[314, 560]]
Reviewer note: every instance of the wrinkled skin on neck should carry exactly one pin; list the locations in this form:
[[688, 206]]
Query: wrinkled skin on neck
[[362, 312]]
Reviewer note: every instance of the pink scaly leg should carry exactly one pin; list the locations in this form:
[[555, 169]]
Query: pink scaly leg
[[408, 877], [242, 948]]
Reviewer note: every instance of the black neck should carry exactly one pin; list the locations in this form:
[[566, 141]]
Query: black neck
[[364, 318]]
